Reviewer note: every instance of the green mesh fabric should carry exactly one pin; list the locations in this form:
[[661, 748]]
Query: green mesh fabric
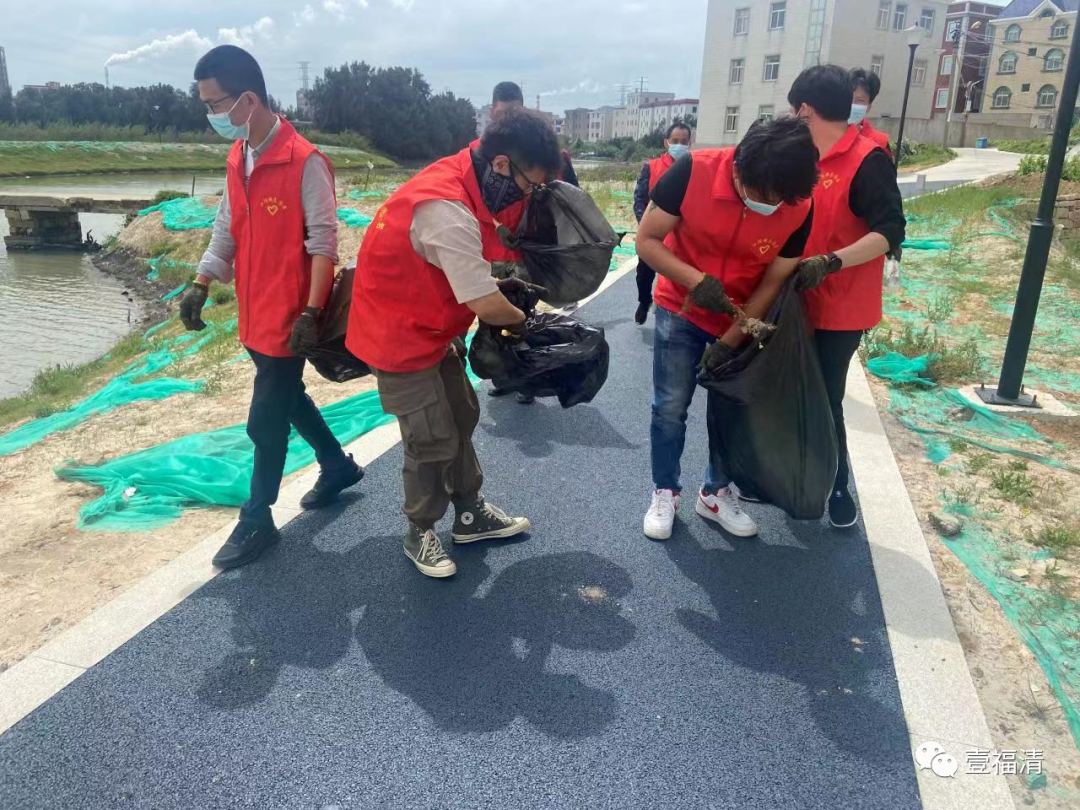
[[183, 214], [353, 218], [900, 369], [357, 194]]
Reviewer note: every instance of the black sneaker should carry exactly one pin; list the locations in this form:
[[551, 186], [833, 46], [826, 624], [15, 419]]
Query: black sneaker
[[497, 392], [525, 399], [641, 314], [245, 544], [329, 486], [427, 553], [482, 521], [842, 510]]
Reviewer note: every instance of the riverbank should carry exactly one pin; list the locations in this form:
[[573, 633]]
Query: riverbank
[[35, 159]]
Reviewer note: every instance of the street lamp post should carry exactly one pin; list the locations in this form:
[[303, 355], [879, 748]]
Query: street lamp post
[[1010, 388], [916, 36]]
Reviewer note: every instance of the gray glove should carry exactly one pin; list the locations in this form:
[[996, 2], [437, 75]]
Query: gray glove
[[305, 334], [811, 271], [716, 355], [709, 294], [191, 306], [501, 270], [521, 294]]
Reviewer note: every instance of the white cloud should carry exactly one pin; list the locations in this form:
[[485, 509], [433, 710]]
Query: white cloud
[[245, 37]]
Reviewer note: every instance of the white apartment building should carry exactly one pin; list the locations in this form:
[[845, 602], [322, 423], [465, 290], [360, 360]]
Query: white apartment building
[[483, 118], [660, 114], [601, 124], [754, 50], [627, 116]]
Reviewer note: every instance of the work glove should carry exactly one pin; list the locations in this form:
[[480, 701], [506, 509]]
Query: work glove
[[716, 355], [503, 270], [811, 271], [514, 333], [709, 294], [521, 294], [191, 307], [305, 334]]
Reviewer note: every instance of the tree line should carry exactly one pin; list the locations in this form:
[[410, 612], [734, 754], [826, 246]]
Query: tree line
[[392, 108]]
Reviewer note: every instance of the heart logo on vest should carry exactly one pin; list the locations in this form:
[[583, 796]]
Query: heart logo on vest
[[272, 205], [828, 179], [765, 246]]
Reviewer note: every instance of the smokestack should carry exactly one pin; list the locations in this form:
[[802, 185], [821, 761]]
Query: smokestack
[[106, 77]]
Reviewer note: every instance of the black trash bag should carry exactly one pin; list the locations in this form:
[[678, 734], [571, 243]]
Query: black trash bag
[[559, 357], [770, 425], [329, 356], [565, 241]]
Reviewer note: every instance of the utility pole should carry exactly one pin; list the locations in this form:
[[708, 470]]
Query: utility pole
[[622, 88], [304, 83], [1010, 390], [642, 81]]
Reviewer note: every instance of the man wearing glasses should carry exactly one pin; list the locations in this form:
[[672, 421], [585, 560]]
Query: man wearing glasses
[[276, 232]]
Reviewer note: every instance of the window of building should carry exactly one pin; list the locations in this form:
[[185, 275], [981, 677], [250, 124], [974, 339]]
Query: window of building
[[731, 119], [777, 12], [918, 73], [1059, 30], [946, 65], [899, 17], [1047, 96], [954, 31], [766, 112], [1046, 13], [1024, 88], [1007, 63], [1012, 33], [1002, 97], [736, 71], [1033, 51], [926, 19], [742, 21], [815, 31], [695, 109], [884, 11], [1054, 60], [772, 68], [942, 100], [877, 64]]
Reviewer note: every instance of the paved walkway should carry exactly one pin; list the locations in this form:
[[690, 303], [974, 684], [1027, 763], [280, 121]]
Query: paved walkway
[[970, 166], [585, 667]]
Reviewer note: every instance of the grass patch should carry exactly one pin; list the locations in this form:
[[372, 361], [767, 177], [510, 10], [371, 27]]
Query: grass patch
[[1013, 485], [947, 363], [979, 463], [941, 307], [964, 201], [924, 155], [610, 172], [1057, 539], [1066, 270], [221, 294], [167, 194]]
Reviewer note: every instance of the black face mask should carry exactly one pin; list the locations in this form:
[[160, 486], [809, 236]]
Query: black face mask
[[499, 191]]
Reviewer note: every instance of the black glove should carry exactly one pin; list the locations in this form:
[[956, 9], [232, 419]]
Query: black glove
[[305, 334], [191, 307], [521, 294], [716, 355], [810, 272], [514, 333], [709, 294], [503, 270]]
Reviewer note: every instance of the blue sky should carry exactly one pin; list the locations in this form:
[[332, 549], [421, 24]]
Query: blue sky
[[572, 53]]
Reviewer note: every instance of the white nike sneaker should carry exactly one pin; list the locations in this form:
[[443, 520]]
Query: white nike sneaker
[[724, 508], [661, 515]]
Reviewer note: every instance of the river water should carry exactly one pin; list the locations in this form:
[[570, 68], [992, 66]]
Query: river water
[[56, 308]]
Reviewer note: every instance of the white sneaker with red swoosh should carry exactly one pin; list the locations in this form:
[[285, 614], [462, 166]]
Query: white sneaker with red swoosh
[[724, 508]]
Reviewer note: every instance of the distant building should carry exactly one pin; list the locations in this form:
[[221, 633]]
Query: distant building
[[483, 118], [5, 83], [661, 114], [627, 117], [601, 124], [42, 87], [303, 104], [1030, 46], [576, 124], [966, 42]]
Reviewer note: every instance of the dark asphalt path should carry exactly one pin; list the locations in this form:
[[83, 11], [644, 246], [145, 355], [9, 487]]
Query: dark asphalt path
[[586, 667]]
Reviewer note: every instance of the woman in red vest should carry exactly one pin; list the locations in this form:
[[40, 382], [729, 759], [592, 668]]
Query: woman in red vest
[[865, 86], [858, 218], [676, 144], [725, 227], [423, 276], [276, 229]]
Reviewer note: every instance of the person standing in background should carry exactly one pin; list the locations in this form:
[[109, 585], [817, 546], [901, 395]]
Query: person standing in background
[[276, 230], [676, 144], [865, 86], [858, 218]]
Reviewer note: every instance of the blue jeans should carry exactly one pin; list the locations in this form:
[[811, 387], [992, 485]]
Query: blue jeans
[[677, 349]]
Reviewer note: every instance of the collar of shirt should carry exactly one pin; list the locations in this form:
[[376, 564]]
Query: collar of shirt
[[253, 153]]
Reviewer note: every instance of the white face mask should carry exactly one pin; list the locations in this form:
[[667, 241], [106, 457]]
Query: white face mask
[[765, 209], [858, 113], [677, 150], [224, 126]]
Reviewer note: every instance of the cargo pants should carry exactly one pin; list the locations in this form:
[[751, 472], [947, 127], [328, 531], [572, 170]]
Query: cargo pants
[[437, 412]]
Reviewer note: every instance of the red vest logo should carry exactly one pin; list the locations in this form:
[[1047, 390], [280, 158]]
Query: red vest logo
[[828, 178], [272, 205], [378, 222], [763, 247]]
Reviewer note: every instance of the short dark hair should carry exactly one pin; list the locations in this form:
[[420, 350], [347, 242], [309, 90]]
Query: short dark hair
[[526, 137], [679, 125], [778, 159], [867, 80], [234, 69], [826, 88], [507, 92]]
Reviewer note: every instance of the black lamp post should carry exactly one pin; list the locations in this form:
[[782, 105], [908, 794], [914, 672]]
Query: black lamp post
[[1010, 385], [916, 36]]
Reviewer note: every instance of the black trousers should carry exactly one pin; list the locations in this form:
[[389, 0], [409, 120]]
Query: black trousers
[[645, 278], [278, 401], [835, 350]]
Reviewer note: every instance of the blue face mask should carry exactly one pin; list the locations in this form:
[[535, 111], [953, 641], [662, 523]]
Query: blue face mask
[[677, 150], [764, 209], [858, 113], [224, 126]]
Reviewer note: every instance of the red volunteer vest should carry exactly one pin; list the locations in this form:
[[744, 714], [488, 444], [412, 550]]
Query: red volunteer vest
[[719, 235], [850, 298], [878, 137], [273, 269], [657, 167], [404, 313]]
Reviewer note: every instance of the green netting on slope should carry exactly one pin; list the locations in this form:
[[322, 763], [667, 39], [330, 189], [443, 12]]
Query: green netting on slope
[[183, 214], [1048, 623], [357, 194], [900, 369], [122, 389], [353, 218]]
